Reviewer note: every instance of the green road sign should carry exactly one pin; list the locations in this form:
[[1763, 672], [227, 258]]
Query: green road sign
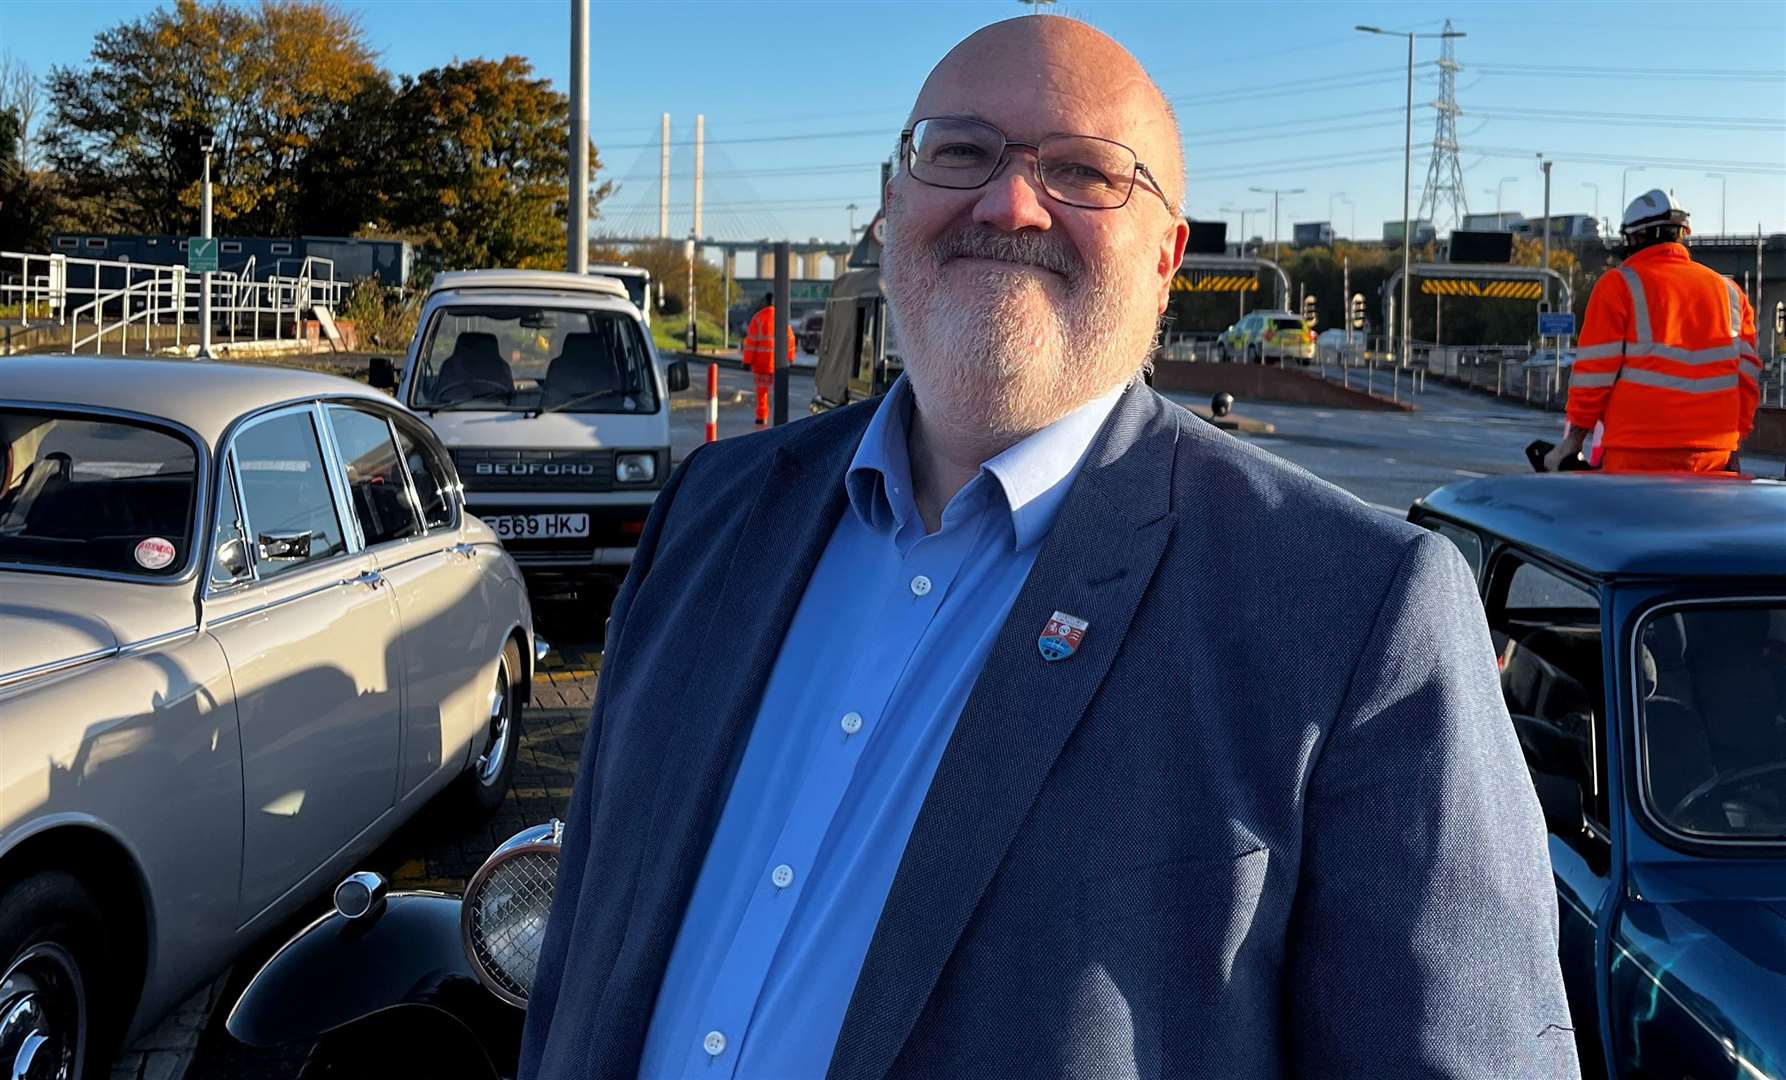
[[201, 254]]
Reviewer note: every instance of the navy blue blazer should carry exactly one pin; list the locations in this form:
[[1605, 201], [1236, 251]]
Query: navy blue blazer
[[1269, 820]]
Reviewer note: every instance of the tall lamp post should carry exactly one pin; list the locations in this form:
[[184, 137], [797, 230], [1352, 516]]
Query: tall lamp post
[[1723, 189], [1331, 199], [1275, 193], [1243, 211], [207, 143], [1352, 225], [1499, 186], [1623, 195], [1408, 171]]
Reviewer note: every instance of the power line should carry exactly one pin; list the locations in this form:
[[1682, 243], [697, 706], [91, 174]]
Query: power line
[[1582, 72], [1567, 116]]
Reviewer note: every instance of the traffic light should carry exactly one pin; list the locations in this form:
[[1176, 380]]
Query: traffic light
[[1780, 317], [1358, 311], [1308, 310]]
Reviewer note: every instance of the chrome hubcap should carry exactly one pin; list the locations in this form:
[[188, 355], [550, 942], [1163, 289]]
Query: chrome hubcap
[[497, 748], [42, 1014]]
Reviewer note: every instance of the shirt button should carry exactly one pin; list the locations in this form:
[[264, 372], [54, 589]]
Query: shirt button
[[714, 1043], [920, 586], [852, 723], [783, 876]]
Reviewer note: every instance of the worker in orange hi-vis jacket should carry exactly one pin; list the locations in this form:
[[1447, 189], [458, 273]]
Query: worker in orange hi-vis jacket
[[759, 353], [1667, 359]]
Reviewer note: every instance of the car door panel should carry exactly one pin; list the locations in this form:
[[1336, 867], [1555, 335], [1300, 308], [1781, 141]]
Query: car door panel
[[313, 645]]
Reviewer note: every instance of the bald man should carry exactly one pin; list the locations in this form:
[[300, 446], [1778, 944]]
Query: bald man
[[1018, 724]]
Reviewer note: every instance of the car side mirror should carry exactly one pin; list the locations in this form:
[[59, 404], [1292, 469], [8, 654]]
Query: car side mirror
[[677, 375], [287, 546], [232, 555], [382, 375]]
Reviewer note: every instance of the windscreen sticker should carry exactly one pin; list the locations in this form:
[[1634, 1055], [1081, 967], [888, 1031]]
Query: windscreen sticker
[[154, 553]]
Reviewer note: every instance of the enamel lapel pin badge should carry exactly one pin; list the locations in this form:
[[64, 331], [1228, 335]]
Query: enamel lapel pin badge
[[1061, 637]]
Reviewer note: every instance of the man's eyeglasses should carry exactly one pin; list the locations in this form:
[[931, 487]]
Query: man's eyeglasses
[[1079, 170]]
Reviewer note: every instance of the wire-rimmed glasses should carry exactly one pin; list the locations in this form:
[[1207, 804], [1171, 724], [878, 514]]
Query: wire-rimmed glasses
[[1079, 170]]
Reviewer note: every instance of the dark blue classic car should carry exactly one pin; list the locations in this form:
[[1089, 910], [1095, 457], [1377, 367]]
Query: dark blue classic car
[[1641, 628]]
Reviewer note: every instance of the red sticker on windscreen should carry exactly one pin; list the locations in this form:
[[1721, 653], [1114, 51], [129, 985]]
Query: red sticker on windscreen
[[154, 553]]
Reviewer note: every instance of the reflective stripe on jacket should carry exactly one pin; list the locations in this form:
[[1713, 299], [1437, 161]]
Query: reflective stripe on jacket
[[1667, 356], [759, 342]]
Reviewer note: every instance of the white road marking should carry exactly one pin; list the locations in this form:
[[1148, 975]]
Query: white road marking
[[1469, 472]]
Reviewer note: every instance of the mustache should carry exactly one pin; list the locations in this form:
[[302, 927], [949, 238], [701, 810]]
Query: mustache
[[1027, 248]]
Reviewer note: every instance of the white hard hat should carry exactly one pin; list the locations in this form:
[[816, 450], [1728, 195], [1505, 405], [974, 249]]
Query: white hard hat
[[1652, 208]]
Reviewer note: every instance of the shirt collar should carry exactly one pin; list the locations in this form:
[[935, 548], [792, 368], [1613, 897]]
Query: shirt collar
[[1034, 475]]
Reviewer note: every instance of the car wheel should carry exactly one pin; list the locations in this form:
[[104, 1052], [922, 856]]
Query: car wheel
[[53, 950], [486, 783]]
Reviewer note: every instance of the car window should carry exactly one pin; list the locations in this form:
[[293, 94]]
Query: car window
[[376, 484], [429, 472], [286, 495], [1466, 540], [524, 358], [1712, 685], [1288, 324], [230, 564], [1547, 630], [91, 493]]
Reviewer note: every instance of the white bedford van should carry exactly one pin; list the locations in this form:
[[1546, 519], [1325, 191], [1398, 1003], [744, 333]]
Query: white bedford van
[[546, 388]]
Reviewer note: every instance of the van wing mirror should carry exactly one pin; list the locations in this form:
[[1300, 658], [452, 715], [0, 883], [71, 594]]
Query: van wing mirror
[[677, 376], [382, 375]]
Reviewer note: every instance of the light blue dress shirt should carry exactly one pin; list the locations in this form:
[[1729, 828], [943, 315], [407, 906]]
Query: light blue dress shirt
[[884, 648]]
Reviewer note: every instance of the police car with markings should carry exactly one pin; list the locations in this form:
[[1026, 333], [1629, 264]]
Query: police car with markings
[[548, 391]]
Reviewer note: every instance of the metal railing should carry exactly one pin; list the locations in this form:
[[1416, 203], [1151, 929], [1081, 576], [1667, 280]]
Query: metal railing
[[99, 298]]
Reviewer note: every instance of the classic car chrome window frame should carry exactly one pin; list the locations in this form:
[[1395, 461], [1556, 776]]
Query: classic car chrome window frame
[[451, 486], [1637, 776], [338, 466], [229, 483], [1494, 578], [201, 465], [247, 423]]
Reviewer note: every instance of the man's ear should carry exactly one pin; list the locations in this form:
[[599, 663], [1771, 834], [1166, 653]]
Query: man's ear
[[1171, 254]]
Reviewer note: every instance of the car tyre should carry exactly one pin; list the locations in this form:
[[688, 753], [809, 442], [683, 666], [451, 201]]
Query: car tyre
[[486, 783], [54, 954]]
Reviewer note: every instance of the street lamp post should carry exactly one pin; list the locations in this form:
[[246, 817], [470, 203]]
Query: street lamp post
[[1723, 189], [207, 143], [1338, 195], [1408, 172], [1499, 185], [1623, 177], [852, 208], [1243, 211], [1352, 226], [1274, 193]]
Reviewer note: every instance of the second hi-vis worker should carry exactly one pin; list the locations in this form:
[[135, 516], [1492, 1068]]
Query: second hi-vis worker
[[1667, 359], [759, 353]]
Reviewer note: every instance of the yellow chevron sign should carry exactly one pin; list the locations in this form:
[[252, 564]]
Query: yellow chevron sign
[[1211, 281], [1500, 290]]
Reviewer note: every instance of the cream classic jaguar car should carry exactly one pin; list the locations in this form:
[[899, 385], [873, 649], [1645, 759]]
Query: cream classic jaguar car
[[246, 629]]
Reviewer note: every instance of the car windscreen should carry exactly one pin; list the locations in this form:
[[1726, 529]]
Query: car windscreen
[[1712, 685], [527, 358], [95, 493], [1287, 324]]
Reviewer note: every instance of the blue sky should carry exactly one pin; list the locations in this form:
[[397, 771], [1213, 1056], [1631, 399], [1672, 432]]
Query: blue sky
[[802, 98]]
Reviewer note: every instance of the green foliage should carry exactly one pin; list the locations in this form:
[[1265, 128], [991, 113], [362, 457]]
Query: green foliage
[[671, 334], [669, 270], [312, 136], [384, 320]]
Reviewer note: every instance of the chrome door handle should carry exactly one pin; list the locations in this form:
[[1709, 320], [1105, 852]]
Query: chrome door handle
[[371, 579], [467, 551]]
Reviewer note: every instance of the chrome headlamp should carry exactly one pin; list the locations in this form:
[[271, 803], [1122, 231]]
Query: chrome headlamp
[[502, 918]]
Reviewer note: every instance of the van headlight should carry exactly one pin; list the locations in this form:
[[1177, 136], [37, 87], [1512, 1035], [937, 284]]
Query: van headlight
[[635, 468], [502, 918]]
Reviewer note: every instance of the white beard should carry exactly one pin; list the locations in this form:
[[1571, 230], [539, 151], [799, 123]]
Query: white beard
[[998, 353]]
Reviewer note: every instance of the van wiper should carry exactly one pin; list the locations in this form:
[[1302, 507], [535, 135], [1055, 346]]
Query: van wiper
[[578, 400], [462, 402]]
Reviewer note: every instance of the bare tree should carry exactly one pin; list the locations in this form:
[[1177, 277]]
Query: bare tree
[[19, 95]]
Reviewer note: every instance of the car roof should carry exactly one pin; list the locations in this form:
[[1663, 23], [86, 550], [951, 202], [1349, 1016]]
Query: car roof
[[1664, 525], [204, 395], [527, 281]]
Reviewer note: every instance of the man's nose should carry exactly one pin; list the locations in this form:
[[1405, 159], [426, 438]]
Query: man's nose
[[1012, 199]]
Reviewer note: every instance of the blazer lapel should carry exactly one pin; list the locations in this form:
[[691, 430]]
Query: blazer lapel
[[760, 583], [1095, 564]]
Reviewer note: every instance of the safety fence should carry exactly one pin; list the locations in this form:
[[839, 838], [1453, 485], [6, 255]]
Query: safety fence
[[105, 302]]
